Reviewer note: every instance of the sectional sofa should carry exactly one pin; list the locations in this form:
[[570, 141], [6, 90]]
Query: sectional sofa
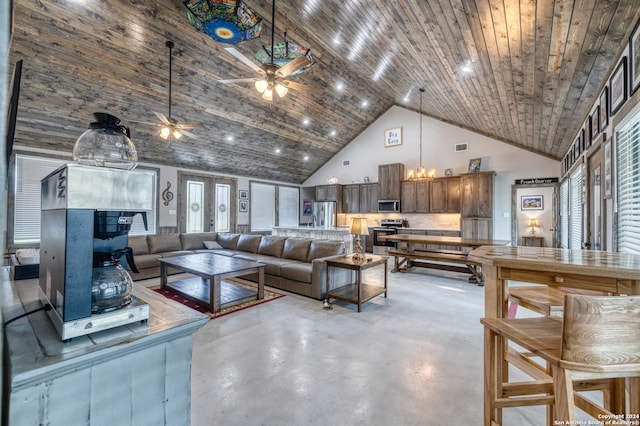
[[292, 264]]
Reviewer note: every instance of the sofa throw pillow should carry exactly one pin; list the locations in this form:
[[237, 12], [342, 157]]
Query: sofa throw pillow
[[212, 245]]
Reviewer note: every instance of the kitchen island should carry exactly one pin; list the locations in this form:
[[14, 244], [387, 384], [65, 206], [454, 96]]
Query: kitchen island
[[339, 233], [137, 374]]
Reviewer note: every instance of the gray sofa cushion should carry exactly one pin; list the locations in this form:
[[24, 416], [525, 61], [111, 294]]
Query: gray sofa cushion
[[320, 248], [228, 240], [249, 243], [296, 249], [164, 243], [271, 245], [196, 240], [139, 244], [296, 271]]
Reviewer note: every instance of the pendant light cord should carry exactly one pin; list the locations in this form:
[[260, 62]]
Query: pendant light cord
[[273, 26], [170, 46], [421, 92]]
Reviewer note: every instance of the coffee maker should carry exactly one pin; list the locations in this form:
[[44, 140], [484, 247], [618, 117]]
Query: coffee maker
[[86, 216]]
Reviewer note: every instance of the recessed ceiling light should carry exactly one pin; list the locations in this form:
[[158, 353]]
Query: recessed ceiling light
[[336, 40], [229, 138], [306, 157], [306, 121], [467, 68], [333, 133], [365, 103], [340, 86], [278, 150]]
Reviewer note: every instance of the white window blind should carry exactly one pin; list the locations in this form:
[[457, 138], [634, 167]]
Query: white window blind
[[30, 170], [263, 206], [288, 206], [575, 210], [26, 219], [628, 185], [564, 214]]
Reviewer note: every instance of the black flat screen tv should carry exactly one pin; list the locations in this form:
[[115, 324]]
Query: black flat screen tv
[[12, 110]]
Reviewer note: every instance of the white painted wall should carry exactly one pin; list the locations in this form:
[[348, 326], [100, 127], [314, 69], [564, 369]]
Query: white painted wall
[[367, 151]]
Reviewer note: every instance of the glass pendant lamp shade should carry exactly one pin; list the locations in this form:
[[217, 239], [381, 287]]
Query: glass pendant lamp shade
[[177, 134], [164, 132], [281, 90], [267, 94], [261, 85]]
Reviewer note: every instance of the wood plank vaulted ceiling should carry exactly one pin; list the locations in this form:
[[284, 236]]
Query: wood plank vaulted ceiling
[[538, 67]]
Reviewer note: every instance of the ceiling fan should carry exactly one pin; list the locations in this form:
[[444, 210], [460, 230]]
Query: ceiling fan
[[272, 74], [170, 127]]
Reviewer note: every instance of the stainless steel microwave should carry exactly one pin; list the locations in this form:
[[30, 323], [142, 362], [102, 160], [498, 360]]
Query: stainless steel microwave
[[385, 206]]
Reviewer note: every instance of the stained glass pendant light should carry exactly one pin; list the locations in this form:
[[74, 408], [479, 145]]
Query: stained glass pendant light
[[226, 21]]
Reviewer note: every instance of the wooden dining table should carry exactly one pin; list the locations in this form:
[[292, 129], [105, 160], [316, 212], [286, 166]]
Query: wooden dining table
[[588, 270], [439, 252]]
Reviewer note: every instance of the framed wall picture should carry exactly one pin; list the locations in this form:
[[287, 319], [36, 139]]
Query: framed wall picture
[[244, 194], [532, 202], [634, 59], [604, 109], [244, 206], [393, 137], [607, 169], [474, 165], [618, 86], [594, 124], [307, 207], [448, 172]]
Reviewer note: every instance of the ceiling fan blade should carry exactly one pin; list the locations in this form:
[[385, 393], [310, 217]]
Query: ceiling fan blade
[[248, 62], [293, 66], [238, 80], [190, 126], [162, 118], [188, 134], [297, 86]]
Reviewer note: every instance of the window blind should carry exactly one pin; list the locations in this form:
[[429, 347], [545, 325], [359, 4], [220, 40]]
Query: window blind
[[263, 206], [564, 214], [29, 172], [628, 185], [288, 206], [575, 210]]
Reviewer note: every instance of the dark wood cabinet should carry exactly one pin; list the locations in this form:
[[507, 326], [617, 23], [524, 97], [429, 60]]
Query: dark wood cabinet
[[444, 195], [351, 199], [390, 178], [415, 196], [369, 195], [330, 193], [477, 194]]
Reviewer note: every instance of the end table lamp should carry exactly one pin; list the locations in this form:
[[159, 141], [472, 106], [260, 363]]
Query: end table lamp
[[358, 227], [533, 223]]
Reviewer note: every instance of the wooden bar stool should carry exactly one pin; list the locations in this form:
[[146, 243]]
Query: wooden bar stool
[[597, 340], [542, 299]]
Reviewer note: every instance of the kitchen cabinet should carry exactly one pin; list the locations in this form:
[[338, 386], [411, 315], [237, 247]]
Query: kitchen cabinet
[[444, 195], [330, 193], [477, 194], [415, 196], [369, 195], [351, 199], [477, 228], [390, 178]]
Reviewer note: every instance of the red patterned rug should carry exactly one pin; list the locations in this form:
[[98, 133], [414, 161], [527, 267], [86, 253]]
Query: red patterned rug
[[269, 295]]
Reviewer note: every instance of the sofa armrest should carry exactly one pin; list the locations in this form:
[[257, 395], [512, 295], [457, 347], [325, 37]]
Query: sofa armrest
[[338, 277]]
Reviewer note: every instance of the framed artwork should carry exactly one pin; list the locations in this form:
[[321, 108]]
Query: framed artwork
[[244, 194], [634, 59], [393, 137], [474, 165], [618, 86], [307, 207], [604, 110], [448, 172], [244, 206], [531, 202], [594, 124], [607, 170]]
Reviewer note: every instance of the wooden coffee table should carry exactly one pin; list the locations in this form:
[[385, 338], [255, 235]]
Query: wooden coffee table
[[208, 288]]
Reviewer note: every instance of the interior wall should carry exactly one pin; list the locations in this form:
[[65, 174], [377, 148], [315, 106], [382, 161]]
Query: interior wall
[[544, 216], [367, 151]]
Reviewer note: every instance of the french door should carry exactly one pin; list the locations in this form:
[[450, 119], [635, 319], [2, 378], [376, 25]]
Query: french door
[[206, 203]]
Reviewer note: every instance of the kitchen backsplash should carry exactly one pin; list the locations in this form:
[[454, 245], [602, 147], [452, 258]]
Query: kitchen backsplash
[[444, 221]]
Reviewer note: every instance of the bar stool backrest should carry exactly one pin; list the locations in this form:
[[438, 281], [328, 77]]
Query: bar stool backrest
[[601, 334]]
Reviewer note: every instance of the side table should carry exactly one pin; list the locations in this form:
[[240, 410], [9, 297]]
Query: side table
[[533, 241], [357, 292]]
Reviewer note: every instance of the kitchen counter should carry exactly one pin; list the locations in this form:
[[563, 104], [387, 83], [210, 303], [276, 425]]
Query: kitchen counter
[[128, 375], [338, 233]]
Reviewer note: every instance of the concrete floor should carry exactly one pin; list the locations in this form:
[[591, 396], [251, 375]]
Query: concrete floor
[[414, 358]]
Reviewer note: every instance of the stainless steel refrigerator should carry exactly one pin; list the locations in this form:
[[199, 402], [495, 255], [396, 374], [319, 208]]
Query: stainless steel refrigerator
[[324, 214]]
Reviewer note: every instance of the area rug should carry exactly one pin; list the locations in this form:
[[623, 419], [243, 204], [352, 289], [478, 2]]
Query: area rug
[[269, 295]]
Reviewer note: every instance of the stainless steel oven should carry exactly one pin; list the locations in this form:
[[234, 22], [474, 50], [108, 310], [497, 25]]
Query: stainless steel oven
[[387, 227]]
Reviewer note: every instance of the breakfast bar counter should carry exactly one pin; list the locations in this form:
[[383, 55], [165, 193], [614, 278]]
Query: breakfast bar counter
[[128, 375], [337, 233]]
